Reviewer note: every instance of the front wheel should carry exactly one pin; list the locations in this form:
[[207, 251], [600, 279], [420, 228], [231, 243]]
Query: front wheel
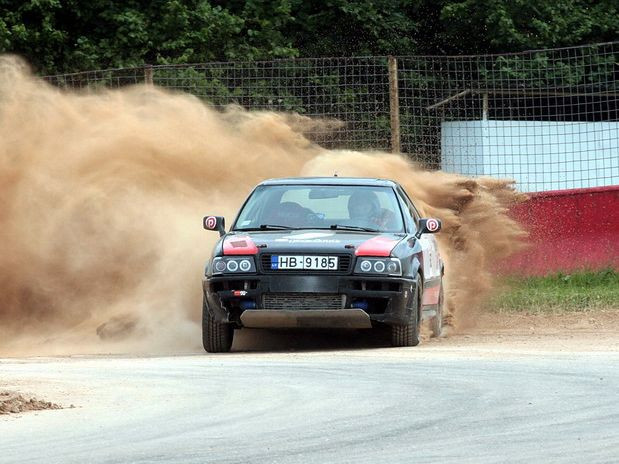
[[408, 334], [216, 337]]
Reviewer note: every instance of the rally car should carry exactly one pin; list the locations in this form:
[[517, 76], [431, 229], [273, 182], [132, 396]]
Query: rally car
[[324, 252]]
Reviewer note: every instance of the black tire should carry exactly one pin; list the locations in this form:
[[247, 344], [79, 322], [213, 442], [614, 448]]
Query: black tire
[[216, 337], [408, 334], [437, 321]]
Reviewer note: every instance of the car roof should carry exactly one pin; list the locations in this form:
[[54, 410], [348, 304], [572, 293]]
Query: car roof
[[363, 181]]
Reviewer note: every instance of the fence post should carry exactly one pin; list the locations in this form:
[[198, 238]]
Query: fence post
[[484, 107], [148, 74], [394, 105]]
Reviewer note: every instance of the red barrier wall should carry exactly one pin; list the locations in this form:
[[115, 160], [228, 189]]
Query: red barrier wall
[[569, 230]]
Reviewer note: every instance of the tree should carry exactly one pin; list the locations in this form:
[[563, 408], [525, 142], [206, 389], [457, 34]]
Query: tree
[[71, 35], [349, 27], [496, 26]]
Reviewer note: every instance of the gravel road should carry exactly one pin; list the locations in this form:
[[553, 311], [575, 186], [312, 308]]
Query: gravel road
[[442, 402]]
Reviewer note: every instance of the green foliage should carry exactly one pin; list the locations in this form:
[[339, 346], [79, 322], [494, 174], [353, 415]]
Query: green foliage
[[583, 66], [580, 291], [353, 27], [70, 35], [495, 26]]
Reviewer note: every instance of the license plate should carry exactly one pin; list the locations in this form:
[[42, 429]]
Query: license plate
[[316, 263]]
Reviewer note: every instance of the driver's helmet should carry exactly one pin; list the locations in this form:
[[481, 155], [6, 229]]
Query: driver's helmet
[[363, 204]]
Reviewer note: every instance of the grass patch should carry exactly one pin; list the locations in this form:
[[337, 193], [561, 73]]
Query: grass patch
[[577, 292]]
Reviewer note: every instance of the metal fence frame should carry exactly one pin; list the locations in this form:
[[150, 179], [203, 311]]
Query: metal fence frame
[[551, 110]]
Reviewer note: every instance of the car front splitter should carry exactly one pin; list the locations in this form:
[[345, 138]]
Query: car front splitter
[[339, 318]]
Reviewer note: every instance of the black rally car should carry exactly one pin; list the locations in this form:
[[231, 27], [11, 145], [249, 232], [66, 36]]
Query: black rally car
[[324, 252]]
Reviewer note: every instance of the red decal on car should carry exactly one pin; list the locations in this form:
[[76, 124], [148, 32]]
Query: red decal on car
[[377, 246], [239, 245]]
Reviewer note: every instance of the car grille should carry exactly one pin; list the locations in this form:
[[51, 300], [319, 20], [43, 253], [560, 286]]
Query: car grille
[[343, 264], [300, 301]]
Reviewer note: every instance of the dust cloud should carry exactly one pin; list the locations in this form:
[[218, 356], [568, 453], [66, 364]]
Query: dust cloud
[[102, 195]]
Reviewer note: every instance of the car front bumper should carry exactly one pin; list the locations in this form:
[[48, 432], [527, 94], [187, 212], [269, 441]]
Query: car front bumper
[[243, 300]]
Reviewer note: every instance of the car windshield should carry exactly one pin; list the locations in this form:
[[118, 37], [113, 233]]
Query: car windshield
[[321, 207]]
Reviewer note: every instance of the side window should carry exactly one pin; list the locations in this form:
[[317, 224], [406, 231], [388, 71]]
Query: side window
[[415, 213], [410, 206], [407, 204]]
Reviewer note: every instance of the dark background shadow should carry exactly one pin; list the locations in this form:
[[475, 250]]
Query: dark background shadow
[[308, 340]]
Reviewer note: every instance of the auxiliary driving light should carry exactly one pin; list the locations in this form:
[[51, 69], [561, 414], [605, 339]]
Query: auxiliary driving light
[[232, 266], [220, 266], [380, 266], [392, 267], [245, 265]]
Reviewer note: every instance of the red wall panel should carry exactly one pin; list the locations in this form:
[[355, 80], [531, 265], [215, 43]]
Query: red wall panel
[[569, 230]]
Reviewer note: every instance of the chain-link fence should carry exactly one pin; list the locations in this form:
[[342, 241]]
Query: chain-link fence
[[548, 118]]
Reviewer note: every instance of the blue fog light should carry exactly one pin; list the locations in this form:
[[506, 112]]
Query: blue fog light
[[360, 304], [248, 304]]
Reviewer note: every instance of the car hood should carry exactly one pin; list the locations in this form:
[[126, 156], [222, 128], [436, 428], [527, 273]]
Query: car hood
[[310, 241]]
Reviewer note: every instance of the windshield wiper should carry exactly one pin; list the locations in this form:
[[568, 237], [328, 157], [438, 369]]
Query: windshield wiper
[[341, 227], [276, 226], [267, 227]]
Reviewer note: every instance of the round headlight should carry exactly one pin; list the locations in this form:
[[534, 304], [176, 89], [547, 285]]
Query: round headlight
[[220, 266], [366, 266], [245, 265], [379, 266], [392, 267], [232, 266]]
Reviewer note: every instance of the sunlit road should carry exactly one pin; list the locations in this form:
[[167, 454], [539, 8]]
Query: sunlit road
[[425, 404]]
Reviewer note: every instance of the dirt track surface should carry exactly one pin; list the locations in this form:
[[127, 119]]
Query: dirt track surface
[[511, 396]]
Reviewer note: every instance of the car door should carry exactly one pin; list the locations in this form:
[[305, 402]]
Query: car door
[[430, 255]]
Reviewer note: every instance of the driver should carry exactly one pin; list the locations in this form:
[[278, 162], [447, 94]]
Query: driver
[[364, 206]]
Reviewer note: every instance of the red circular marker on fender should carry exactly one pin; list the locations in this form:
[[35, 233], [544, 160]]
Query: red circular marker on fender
[[210, 222], [432, 225]]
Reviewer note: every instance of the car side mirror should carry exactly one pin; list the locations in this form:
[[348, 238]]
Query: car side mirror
[[428, 226], [217, 223]]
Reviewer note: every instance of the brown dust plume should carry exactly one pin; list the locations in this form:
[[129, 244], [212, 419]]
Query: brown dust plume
[[102, 195]]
